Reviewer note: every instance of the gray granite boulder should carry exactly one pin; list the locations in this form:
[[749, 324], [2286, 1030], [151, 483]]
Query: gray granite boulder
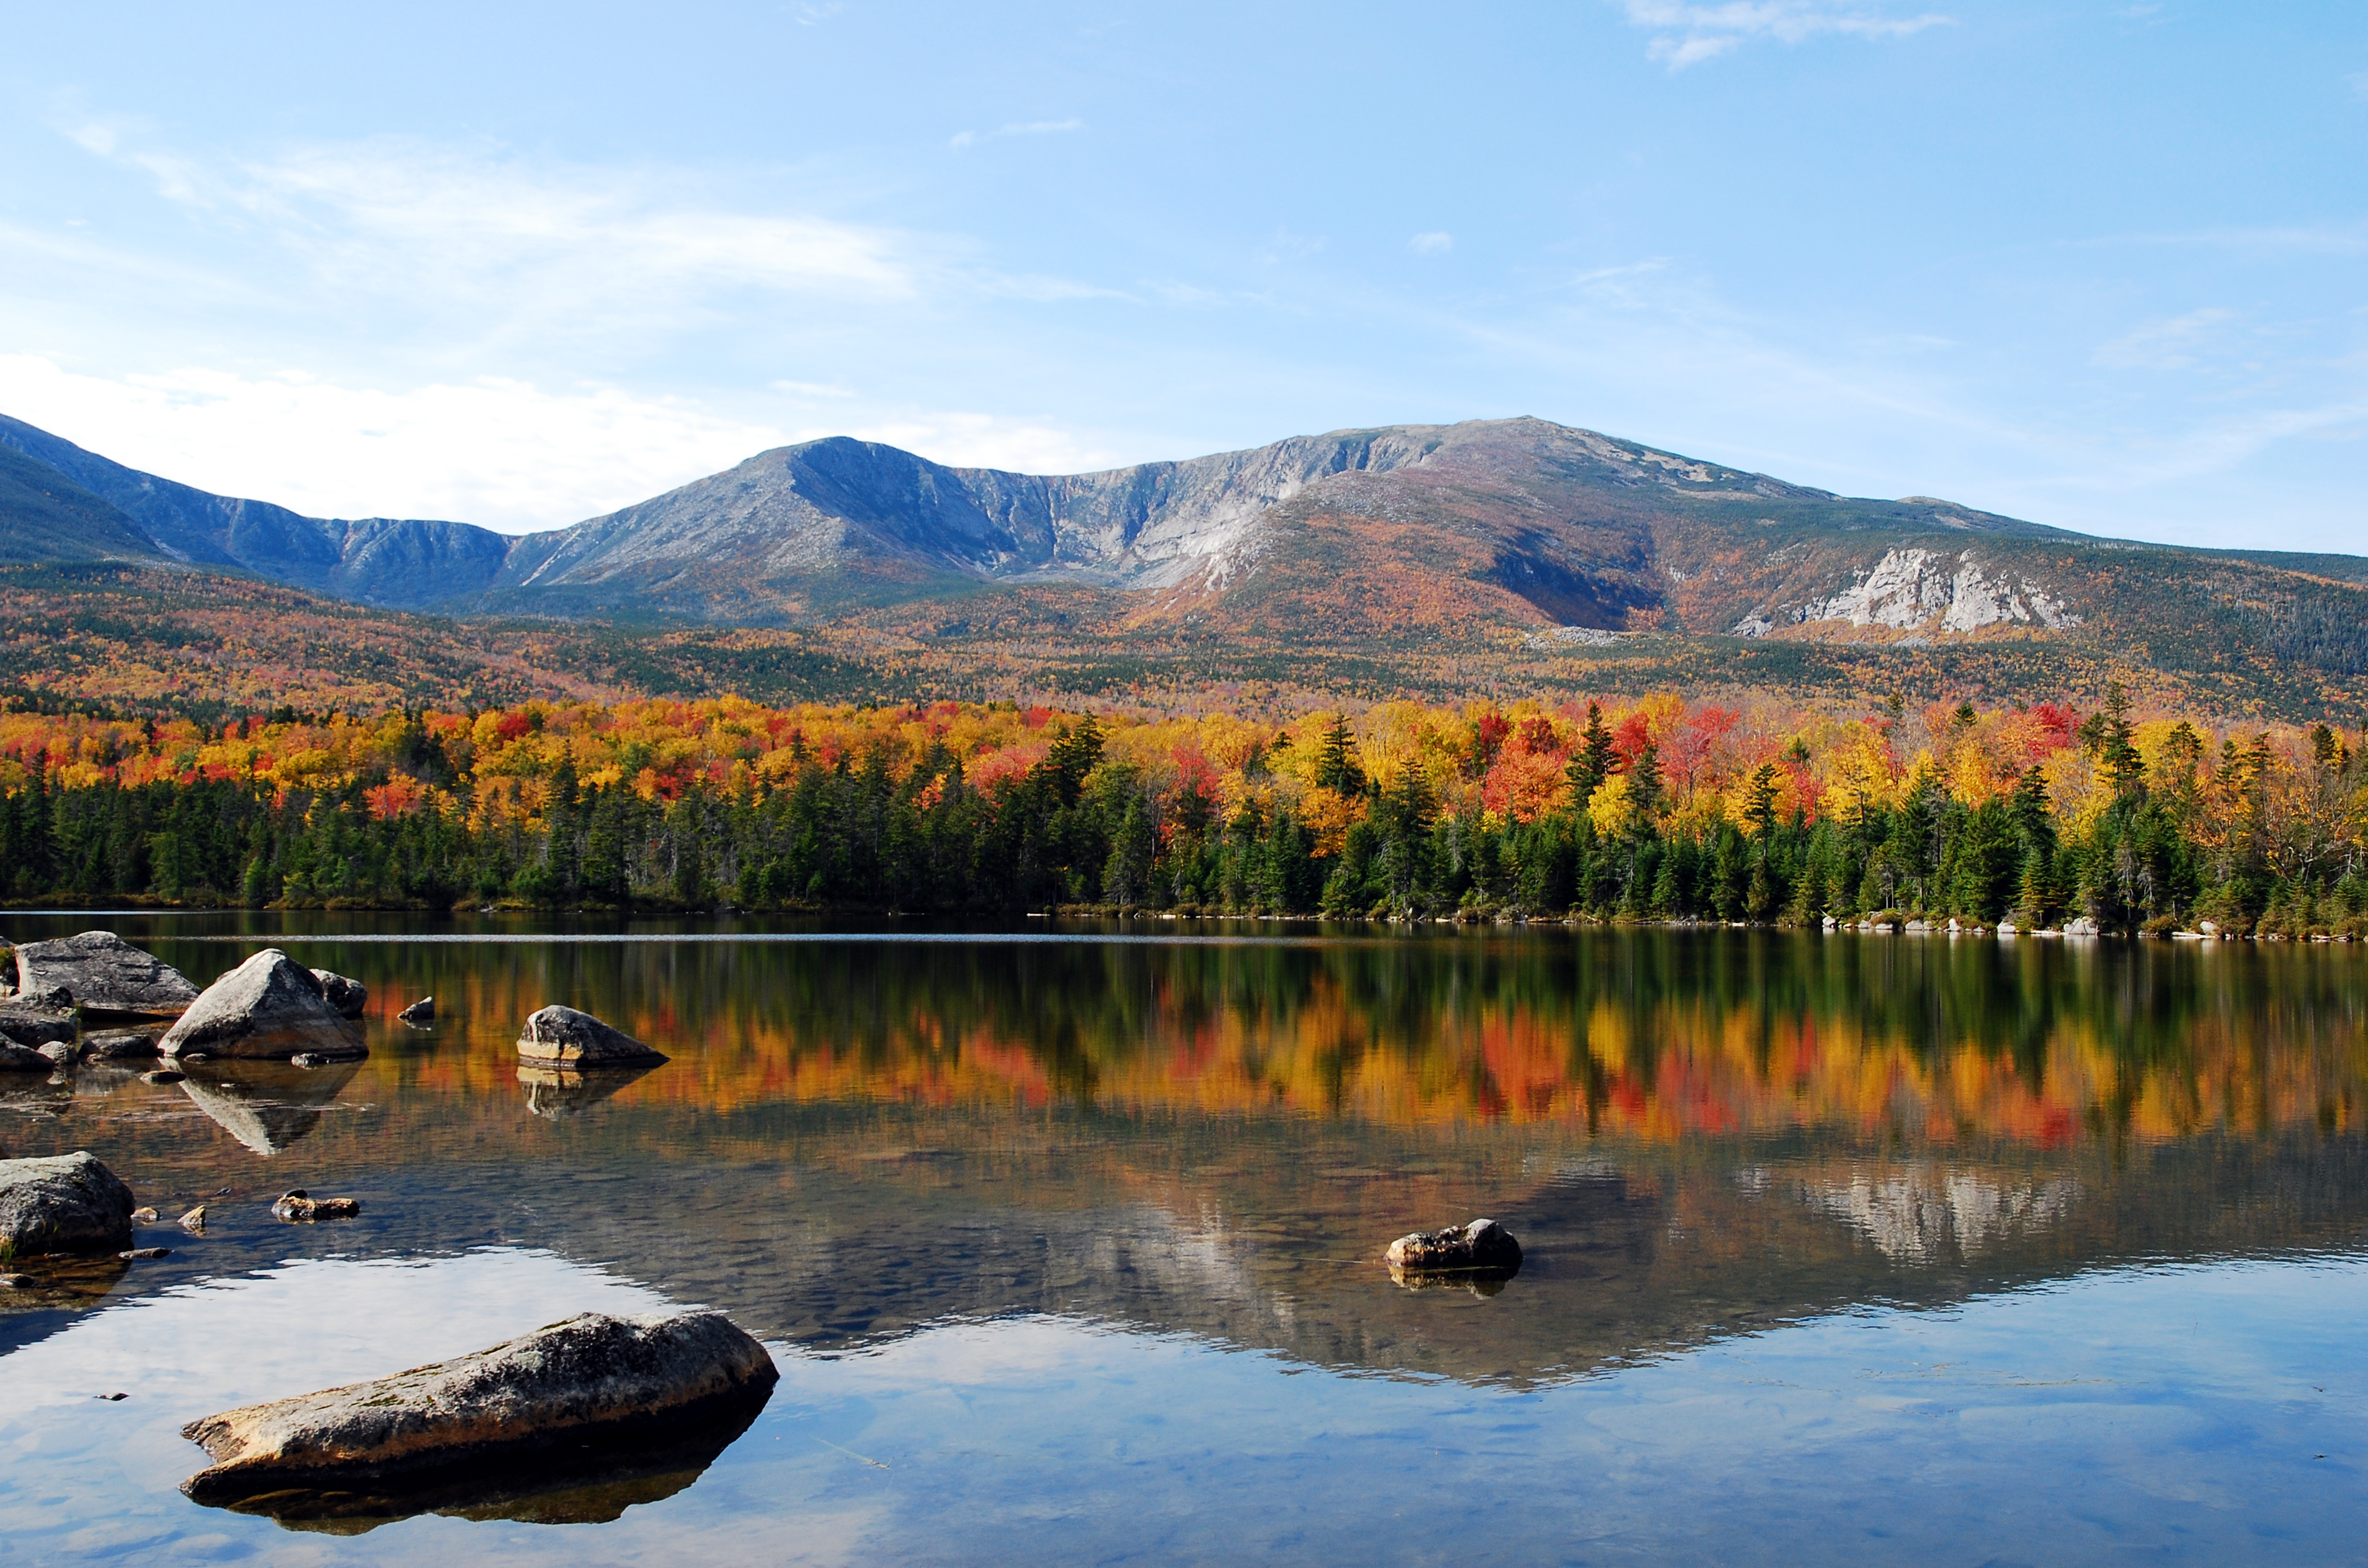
[[103, 973], [122, 1045], [1482, 1244], [62, 1203], [558, 1392], [347, 996], [563, 1036], [15, 1058], [420, 1014], [269, 1006], [36, 1026]]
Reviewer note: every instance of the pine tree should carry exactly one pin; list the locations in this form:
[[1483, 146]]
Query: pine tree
[[1590, 764]]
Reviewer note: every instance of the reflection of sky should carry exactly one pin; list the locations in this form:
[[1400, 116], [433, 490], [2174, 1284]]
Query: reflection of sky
[[2170, 1413]]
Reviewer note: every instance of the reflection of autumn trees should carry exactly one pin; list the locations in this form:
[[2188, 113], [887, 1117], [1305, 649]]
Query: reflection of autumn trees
[[1658, 1036]]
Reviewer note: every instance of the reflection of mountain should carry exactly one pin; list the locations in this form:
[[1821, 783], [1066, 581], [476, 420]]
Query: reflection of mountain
[[1690, 1133], [266, 1106], [1921, 1213]]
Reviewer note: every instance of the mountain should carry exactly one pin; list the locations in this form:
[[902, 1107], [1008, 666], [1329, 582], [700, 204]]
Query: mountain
[[1356, 555], [381, 560]]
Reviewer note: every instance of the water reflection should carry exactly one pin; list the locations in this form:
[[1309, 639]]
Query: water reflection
[[266, 1106], [557, 1093]]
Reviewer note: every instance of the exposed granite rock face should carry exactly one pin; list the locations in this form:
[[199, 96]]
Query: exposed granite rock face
[[347, 996], [591, 1383], [104, 973], [1482, 1244], [564, 1037], [269, 1006], [63, 1203]]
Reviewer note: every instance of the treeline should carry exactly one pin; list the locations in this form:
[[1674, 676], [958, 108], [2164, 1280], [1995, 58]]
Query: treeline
[[2179, 838]]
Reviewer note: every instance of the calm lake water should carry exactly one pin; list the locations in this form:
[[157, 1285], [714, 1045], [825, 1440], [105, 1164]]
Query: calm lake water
[[1067, 1242]]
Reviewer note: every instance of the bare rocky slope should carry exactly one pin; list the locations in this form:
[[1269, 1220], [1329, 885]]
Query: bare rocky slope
[[1393, 537]]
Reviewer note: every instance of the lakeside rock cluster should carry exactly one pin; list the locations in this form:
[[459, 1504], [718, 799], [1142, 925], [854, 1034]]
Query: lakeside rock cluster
[[651, 1400]]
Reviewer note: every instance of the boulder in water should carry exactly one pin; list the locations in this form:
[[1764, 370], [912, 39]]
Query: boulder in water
[[62, 1203], [556, 1396], [269, 1006], [347, 996], [121, 1045], [104, 973], [420, 1014], [564, 1037], [300, 1205], [15, 1058], [23, 1024], [1482, 1244]]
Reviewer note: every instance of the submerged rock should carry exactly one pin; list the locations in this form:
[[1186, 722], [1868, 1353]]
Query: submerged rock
[[269, 1006], [420, 1014], [15, 1058], [104, 973], [144, 1254], [62, 1203], [349, 998], [300, 1205], [558, 1397], [561, 1037], [1482, 1244], [163, 1076]]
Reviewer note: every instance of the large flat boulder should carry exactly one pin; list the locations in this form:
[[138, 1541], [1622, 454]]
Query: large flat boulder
[[269, 1006], [104, 973], [62, 1203], [564, 1393], [561, 1037]]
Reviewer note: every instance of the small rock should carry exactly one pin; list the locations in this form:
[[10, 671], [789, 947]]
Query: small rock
[[194, 1221], [63, 1203], [118, 1045], [34, 1027], [349, 998], [310, 1059], [163, 1076], [17, 1281], [420, 1013], [143, 1216], [15, 1058], [64, 1055], [1482, 1243], [112, 1398], [300, 1206], [593, 1379], [564, 1037], [144, 1254], [269, 1006], [104, 974]]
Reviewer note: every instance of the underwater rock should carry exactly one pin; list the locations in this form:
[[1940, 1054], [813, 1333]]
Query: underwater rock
[[104, 973], [558, 1398], [144, 1254], [15, 1058], [62, 1203], [163, 1076], [269, 1006], [1482, 1244], [561, 1037], [349, 998]]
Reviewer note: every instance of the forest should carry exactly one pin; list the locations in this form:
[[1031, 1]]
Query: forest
[[1651, 809]]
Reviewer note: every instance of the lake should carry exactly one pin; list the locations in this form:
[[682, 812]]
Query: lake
[[1067, 1240]]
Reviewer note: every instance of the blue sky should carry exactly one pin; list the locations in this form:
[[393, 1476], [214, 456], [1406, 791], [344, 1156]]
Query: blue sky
[[2103, 266]]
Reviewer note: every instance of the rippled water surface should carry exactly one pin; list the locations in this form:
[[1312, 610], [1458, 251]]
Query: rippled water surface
[[1068, 1243]]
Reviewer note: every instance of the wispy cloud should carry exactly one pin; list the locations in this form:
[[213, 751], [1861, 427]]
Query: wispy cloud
[[2173, 343], [1688, 34], [1434, 242], [961, 139]]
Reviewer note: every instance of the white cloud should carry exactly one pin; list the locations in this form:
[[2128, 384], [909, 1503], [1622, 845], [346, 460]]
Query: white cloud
[[1688, 34], [961, 139], [1433, 243], [979, 440], [2173, 343], [492, 451]]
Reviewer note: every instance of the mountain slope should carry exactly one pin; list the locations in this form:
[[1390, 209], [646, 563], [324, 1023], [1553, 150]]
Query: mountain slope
[[46, 516], [403, 562]]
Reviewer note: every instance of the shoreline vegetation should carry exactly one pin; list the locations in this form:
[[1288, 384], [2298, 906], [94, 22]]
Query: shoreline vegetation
[[1632, 811]]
